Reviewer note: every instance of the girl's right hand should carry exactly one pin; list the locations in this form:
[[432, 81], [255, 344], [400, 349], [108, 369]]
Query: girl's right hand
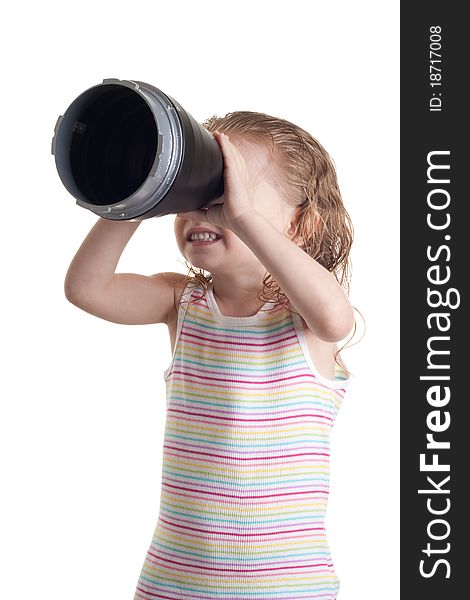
[[237, 198]]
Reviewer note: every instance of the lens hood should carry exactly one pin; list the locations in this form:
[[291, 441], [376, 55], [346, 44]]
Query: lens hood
[[125, 150]]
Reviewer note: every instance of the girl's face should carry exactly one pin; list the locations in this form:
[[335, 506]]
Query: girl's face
[[230, 253]]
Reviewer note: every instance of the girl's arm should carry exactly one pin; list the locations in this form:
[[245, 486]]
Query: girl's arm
[[127, 298], [312, 290]]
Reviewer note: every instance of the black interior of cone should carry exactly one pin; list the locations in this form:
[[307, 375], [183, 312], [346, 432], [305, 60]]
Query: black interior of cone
[[114, 143]]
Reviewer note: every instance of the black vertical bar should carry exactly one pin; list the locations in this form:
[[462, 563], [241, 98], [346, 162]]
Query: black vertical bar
[[435, 345]]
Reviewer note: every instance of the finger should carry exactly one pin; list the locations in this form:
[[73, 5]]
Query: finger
[[227, 148], [231, 149], [193, 214], [233, 158], [213, 215]]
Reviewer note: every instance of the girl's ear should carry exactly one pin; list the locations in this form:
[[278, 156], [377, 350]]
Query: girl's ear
[[290, 230], [298, 214], [291, 226]]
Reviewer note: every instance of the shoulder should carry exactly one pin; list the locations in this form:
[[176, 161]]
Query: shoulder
[[179, 283]]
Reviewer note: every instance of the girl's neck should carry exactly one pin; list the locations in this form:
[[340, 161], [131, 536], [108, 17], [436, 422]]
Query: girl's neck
[[237, 295]]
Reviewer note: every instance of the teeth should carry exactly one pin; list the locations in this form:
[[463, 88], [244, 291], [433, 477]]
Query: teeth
[[203, 235]]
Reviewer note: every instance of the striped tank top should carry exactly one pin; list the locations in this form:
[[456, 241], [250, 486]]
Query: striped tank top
[[245, 473]]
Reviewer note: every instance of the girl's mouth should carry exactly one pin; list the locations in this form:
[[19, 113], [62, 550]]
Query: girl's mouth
[[204, 242], [203, 239]]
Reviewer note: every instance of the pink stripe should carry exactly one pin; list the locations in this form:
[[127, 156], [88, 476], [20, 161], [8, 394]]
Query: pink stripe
[[215, 343], [281, 456], [157, 560], [250, 452], [237, 534], [214, 335], [276, 410], [309, 375], [233, 419], [246, 387], [234, 462], [213, 502], [236, 496], [310, 561], [211, 487]]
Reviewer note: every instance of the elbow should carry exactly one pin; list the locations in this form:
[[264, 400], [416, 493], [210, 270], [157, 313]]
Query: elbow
[[70, 297], [339, 328], [344, 325], [70, 292], [67, 291]]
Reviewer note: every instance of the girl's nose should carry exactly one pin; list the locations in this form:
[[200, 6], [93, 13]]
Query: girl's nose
[[219, 200], [185, 215]]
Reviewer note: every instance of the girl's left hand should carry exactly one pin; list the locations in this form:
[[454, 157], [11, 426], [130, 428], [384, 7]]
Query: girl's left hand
[[237, 198]]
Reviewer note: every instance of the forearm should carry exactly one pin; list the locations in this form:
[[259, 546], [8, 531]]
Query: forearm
[[94, 264], [312, 290]]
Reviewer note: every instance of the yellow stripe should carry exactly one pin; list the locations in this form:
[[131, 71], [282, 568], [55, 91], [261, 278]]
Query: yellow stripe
[[272, 510], [261, 546], [264, 395], [233, 581], [267, 357]]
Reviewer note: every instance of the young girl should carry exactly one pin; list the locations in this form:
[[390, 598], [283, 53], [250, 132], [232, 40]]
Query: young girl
[[255, 383]]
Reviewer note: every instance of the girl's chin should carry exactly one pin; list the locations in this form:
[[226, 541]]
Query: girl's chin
[[200, 262]]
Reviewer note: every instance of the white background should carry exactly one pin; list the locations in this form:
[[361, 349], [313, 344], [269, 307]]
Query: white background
[[83, 399]]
